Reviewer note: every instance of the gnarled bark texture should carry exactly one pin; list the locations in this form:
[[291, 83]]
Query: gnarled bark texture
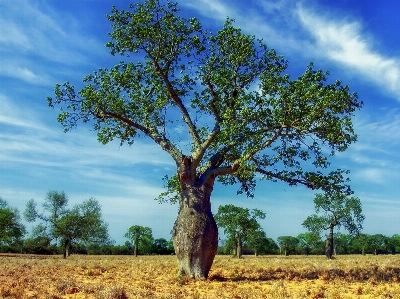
[[195, 233]]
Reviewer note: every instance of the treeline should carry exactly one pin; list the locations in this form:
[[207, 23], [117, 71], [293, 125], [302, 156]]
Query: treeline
[[41, 245], [81, 230], [312, 244], [302, 244]]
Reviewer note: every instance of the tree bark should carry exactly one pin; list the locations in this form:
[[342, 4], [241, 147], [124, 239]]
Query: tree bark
[[239, 248], [195, 233], [329, 244], [67, 245]]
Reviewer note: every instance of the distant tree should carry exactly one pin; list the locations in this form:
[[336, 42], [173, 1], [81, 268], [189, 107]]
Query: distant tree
[[229, 246], [238, 223], [394, 244], [333, 211], [256, 240], [81, 223], [241, 113], [378, 243], [11, 228], [361, 243], [308, 242], [342, 243], [38, 245], [287, 244], [272, 247], [261, 244], [140, 236], [162, 246], [129, 246], [39, 241]]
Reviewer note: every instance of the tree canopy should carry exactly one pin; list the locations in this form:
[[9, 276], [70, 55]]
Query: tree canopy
[[221, 104], [333, 211], [287, 244], [227, 90], [140, 236], [11, 228], [81, 223], [239, 224]]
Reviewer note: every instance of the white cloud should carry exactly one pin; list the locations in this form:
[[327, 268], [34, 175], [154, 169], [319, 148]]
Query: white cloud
[[273, 22], [371, 175], [211, 8], [13, 115], [11, 35], [23, 73], [33, 38], [344, 42]]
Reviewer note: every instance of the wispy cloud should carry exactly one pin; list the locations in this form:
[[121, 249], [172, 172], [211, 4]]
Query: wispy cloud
[[33, 38], [345, 42], [214, 9], [271, 21], [371, 175], [23, 73], [16, 116]]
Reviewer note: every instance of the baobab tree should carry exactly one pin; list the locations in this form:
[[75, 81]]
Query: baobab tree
[[243, 116]]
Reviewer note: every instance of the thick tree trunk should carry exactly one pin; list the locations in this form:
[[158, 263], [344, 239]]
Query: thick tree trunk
[[329, 244], [195, 233], [239, 248]]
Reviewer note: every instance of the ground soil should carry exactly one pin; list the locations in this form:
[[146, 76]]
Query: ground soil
[[33, 276]]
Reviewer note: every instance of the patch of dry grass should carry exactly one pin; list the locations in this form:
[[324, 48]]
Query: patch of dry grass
[[112, 277]]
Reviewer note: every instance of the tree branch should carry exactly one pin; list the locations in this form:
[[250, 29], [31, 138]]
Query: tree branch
[[213, 172], [218, 118], [160, 139], [178, 102], [199, 152], [291, 181]]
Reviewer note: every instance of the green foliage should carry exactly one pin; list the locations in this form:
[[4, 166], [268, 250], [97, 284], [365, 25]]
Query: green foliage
[[240, 224], [162, 246], [11, 228], [258, 242], [287, 244], [308, 242], [82, 223], [333, 211], [141, 237], [226, 90]]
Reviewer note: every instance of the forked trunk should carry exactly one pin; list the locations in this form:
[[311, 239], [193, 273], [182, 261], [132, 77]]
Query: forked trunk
[[195, 233]]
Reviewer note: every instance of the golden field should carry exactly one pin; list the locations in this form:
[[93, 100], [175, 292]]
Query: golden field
[[111, 277]]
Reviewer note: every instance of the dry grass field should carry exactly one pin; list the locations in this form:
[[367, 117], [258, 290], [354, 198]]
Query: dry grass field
[[111, 277]]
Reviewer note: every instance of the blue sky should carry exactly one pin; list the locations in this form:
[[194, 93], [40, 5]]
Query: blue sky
[[47, 42]]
